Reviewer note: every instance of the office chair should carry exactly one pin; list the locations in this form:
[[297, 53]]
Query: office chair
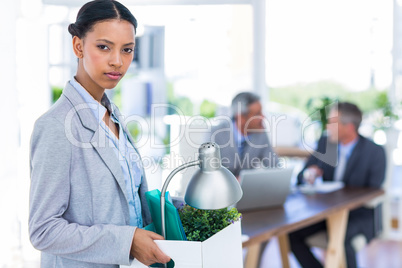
[[359, 241]]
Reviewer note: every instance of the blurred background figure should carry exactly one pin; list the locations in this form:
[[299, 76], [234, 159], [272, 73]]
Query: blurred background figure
[[359, 162], [243, 140]]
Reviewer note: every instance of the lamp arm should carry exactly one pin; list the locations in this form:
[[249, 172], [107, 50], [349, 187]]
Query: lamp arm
[[164, 188]]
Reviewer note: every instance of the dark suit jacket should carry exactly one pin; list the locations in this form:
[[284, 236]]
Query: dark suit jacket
[[258, 152], [365, 168]]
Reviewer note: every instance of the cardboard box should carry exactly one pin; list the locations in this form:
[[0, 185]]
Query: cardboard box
[[224, 249]]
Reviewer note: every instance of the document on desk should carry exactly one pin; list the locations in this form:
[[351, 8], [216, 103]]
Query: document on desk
[[322, 188]]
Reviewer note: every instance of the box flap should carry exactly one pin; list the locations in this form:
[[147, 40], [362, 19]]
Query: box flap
[[185, 254], [217, 249], [224, 249]]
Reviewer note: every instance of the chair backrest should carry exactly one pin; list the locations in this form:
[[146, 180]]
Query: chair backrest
[[320, 240]]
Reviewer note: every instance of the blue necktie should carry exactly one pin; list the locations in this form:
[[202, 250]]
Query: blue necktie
[[241, 148]]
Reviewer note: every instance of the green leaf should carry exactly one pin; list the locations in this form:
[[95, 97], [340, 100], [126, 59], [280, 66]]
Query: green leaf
[[200, 225]]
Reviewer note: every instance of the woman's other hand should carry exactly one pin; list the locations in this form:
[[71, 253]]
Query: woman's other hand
[[145, 250]]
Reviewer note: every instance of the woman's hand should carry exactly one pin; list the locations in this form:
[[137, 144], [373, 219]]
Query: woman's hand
[[145, 250]]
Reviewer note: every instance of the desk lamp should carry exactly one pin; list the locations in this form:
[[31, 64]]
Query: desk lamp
[[211, 187]]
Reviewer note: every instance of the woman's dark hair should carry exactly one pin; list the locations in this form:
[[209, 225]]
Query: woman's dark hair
[[96, 11]]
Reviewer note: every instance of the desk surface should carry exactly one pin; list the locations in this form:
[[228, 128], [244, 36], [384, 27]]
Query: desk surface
[[301, 210], [284, 151]]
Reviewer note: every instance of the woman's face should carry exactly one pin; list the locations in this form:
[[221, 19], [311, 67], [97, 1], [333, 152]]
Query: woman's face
[[107, 52]]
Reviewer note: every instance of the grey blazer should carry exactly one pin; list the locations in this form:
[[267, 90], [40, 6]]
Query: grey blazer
[[258, 151], [78, 215]]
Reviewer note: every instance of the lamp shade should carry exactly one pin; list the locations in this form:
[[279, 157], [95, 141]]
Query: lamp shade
[[212, 186]]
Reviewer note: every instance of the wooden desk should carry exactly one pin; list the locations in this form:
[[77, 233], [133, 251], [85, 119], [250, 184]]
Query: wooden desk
[[291, 152], [300, 211]]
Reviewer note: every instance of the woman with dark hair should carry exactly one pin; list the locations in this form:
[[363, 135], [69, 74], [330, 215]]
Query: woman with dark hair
[[87, 196]]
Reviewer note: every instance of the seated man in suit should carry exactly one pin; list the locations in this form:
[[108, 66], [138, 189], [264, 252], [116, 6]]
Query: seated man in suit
[[360, 163], [243, 140]]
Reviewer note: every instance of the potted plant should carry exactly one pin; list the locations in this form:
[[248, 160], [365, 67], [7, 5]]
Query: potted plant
[[213, 239], [384, 115], [194, 237], [318, 108], [199, 225]]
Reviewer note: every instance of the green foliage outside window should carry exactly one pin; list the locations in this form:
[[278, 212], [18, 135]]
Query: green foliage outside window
[[208, 109], [178, 105], [298, 95], [319, 108], [311, 98], [385, 115], [56, 93]]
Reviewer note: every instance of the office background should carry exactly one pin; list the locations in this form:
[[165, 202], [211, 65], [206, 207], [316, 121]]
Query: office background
[[196, 57]]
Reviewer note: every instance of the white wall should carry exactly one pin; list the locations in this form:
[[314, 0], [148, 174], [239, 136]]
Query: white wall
[[9, 134], [24, 89], [34, 98]]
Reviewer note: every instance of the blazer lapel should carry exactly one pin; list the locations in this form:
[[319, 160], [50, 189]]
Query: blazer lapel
[[101, 145], [130, 139], [99, 140], [81, 108]]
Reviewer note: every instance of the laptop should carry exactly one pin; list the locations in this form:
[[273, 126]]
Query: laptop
[[264, 188]]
